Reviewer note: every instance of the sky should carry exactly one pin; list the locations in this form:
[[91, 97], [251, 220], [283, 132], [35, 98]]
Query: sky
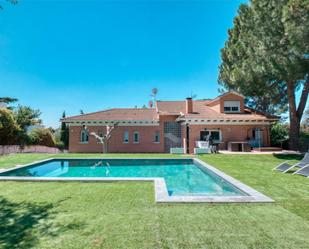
[[70, 55]]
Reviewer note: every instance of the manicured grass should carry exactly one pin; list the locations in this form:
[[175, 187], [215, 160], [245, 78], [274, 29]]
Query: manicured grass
[[124, 215]]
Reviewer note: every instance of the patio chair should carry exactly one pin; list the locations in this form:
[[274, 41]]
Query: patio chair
[[285, 167], [303, 171], [202, 147]]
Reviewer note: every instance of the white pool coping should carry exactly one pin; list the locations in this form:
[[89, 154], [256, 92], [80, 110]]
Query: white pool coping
[[161, 192]]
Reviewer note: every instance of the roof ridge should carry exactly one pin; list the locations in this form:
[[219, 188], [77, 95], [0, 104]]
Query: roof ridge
[[171, 100], [89, 113], [196, 100], [106, 110]]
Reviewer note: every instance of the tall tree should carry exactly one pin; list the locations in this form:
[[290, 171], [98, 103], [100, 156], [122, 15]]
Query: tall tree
[[26, 117], [9, 129], [11, 1], [265, 57], [6, 101], [64, 133]]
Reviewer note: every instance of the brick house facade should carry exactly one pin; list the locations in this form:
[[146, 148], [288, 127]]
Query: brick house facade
[[171, 124]]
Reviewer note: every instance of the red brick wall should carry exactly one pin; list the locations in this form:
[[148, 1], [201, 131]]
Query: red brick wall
[[147, 145], [231, 97], [218, 105], [115, 144], [91, 146], [228, 133]]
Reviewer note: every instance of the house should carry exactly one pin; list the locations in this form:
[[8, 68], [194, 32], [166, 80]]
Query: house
[[171, 124]]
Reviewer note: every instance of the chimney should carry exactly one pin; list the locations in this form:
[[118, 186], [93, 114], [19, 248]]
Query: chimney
[[189, 106]]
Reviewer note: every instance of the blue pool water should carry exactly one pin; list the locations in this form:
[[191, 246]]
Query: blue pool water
[[182, 177]]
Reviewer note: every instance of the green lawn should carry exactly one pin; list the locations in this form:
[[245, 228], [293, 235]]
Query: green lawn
[[124, 215]]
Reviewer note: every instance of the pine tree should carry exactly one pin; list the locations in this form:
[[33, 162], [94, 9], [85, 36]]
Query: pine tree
[[265, 57], [64, 133]]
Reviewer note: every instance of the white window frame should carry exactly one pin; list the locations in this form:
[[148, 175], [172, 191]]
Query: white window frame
[[157, 135], [126, 137], [231, 104], [84, 134], [138, 136], [220, 135]]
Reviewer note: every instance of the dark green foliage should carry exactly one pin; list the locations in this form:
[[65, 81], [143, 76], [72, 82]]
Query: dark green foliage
[[25, 117], [64, 134], [304, 139], [42, 136], [264, 57], [9, 129], [15, 122], [279, 134], [11, 1], [8, 100]]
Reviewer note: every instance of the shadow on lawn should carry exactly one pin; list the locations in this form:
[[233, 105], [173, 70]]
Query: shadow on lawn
[[289, 156], [22, 224]]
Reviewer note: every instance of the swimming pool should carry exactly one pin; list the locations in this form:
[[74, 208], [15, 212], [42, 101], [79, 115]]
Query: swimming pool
[[179, 180]]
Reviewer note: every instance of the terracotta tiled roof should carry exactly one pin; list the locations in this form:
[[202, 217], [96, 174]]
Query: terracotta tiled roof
[[202, 111], [118, 114], [177, 107]]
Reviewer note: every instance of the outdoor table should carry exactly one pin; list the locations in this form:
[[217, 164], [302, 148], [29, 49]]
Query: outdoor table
[[245, 147]]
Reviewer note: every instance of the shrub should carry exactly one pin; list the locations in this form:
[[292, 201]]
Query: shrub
[[42, 136], [304, 141], [60, 145], [279, 135]]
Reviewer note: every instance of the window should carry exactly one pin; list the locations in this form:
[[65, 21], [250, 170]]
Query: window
[[136, 137], [157, 137], [84, 137], [214, 134], [126, 137], [231, 106]]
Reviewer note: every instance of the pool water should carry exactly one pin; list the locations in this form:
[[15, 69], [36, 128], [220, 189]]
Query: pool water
[[182, 177]]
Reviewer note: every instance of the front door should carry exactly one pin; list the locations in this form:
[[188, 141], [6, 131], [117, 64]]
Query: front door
[[258, 137]]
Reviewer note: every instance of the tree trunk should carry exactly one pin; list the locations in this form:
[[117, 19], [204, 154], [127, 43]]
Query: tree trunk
[[294, 120], [296, 114], [294, 133], [105, 147]]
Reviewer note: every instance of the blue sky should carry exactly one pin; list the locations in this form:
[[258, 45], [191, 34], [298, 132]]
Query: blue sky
[[92, 55]]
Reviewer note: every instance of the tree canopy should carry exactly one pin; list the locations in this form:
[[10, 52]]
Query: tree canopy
[[11, 1], [64, 132], [42, 136], [8, 127], [265, 57], [15, 121]]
